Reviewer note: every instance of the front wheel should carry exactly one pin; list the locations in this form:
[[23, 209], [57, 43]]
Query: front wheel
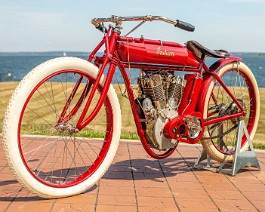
[[46, 154], [220, 138]]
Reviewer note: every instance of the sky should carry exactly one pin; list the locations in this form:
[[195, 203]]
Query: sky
[[64, 25]]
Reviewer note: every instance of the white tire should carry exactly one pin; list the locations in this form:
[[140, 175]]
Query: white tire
[[249, 91], [11, 136]]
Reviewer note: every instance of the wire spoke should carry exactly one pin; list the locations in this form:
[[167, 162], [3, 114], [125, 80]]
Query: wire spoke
[[61, 156]]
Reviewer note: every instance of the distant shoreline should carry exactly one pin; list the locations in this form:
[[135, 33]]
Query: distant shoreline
[[82, 53], [46, 53], [15, 65]]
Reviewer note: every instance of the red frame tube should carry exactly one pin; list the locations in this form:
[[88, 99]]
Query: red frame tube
[[137, 121], [78, 104], [109, 42], [227, 90], [111, 57], [190, 94], [223, 118], [62, 119]]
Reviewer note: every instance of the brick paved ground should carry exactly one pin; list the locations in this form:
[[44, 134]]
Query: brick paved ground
[[135, 182]]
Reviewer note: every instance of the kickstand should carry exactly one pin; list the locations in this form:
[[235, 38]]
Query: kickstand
[[241, 159], [203, 156]]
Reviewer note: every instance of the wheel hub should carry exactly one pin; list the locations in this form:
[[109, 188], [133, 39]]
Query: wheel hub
[[230, 109], [66, 128]]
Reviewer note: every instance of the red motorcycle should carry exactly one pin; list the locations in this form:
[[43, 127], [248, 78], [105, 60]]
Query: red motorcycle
[[63, 123]]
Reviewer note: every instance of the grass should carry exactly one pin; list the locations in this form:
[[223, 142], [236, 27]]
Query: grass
[[128, 126]]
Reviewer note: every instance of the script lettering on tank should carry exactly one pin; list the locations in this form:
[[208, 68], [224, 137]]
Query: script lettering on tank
[[159, 51]]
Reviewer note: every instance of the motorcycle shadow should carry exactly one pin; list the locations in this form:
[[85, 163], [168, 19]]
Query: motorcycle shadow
[[134, 169], [149, 169]]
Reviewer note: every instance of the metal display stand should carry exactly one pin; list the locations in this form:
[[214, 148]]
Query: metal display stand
[[241, 159]]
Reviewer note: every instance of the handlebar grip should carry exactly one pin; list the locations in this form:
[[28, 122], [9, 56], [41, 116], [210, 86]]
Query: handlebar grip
[[102, 28], [185, 26]]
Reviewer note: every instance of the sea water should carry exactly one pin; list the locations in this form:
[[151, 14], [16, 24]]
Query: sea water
[[14, 66]]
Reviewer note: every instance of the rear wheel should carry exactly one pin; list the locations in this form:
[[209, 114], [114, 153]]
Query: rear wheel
[[47, 154], [220, 138]]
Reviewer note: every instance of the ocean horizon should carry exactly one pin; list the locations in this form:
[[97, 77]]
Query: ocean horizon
[[15, 65]]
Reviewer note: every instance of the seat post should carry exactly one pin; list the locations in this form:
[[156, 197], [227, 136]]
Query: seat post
[[203, 56]]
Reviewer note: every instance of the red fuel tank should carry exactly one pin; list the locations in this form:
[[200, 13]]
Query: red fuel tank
[[145, 51]]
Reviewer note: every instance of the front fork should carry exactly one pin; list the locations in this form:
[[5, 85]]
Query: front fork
[[82, 122], [90, 88], [93, 85]]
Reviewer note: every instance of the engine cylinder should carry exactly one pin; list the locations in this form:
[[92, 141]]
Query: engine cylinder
[[153, 88], [175, 89], [160, 92]]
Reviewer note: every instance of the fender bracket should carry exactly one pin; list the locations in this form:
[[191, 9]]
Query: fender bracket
[[207, 78]]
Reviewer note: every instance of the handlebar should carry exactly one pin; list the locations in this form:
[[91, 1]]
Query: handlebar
[[97, 22], [185, 26]]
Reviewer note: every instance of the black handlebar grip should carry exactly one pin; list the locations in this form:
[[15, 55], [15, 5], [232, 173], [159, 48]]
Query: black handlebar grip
[[101, 28], [185, 26]]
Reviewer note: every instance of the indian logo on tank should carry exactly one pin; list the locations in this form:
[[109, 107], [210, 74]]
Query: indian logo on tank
[[159, 51]]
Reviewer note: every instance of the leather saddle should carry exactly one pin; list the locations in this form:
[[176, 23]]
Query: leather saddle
[[201, 51]]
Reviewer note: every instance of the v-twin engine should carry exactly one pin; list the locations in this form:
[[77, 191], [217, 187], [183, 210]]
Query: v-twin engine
[[160, 93]]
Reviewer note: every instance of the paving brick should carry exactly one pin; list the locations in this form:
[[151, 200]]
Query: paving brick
[[154, 192], [255, 187], [158, 209], [87, 198], [10, 191], [190, 194], [200, 209], [151, 183], [223, 184], [232, 205], [118, 175], [244, 180], [30, 206], [260, 205], [121, 161], [254, 195], [116, 208], [4, 204], [6, 170], [143, 162], [223, 195], [187, 176], [116, 182], [120, 168], [117, 190], [65, 207], [185, 185], [156, 184], [146, 169], [116, 200], [155, 201], [217, 178], [197, 204]]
